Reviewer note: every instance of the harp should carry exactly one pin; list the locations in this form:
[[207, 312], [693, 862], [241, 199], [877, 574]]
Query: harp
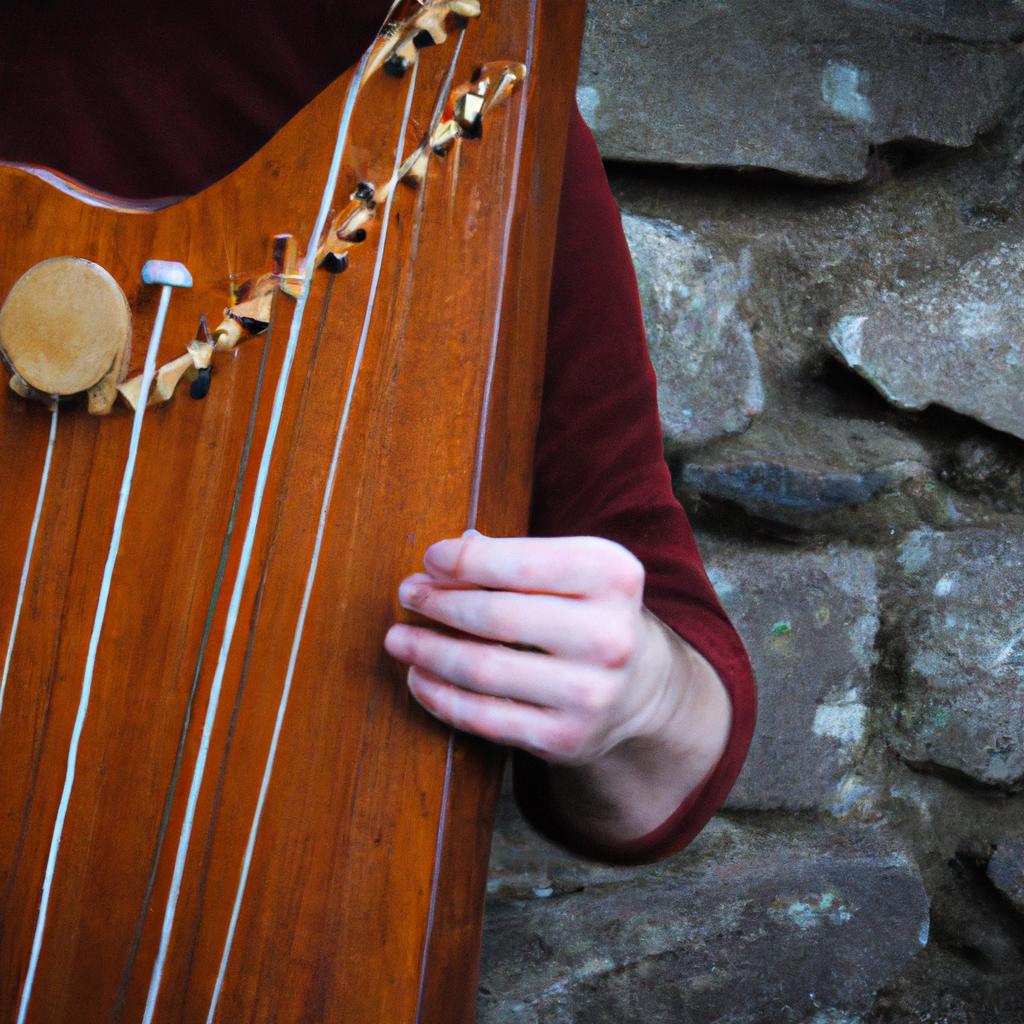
[[217, 800]]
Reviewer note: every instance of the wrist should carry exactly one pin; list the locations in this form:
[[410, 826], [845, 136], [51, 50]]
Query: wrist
[[698, 718], [675, 740]]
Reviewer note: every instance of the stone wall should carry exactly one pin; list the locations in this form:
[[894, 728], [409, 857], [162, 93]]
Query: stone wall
[[825, 205]]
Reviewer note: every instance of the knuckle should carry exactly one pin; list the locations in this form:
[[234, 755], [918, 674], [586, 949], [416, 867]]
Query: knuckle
[[486, 670], [568, 741], [622, 570], [493, 619], [468, 552], [614, 646], [531, 573], [412, 645], [593, 699], [491, 729], [458, 715], [628, 574]]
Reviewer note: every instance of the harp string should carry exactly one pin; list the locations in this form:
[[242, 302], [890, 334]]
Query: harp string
[[194, 686], [29, 550], [99, 618], [437, 112], [314, 563], [477, 479], [184, 838]]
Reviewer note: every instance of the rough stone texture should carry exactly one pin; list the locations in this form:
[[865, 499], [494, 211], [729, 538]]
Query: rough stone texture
[[959, 643], [817, 253], [956, 341], [794, 468], [809, 621], [1006, 872], [830, 472], [733, 931], [709, 379], [806, 89], [524, 866]]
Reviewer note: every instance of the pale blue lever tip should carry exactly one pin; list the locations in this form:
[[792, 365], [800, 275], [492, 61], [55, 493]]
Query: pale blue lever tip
[[167, 273]]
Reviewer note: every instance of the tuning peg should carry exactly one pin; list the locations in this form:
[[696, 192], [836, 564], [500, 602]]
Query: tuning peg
[[227, 335], [469, 115], [200, 387], [462, 12], [201, 350], [334, 262], [396, 66], [364, 193]]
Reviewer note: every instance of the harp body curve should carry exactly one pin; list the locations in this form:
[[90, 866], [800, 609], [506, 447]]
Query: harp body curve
[[217, 800]]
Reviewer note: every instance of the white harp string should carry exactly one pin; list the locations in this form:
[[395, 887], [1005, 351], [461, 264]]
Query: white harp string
[[30, 547], [311, 574], [148, 373], [248, 543], [478, 466]]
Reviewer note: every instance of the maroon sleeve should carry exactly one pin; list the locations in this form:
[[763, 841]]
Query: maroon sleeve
[[600, 471]]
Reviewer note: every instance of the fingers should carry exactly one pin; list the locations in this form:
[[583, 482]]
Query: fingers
[[491, 718], [563, 626], [578, 599], [543, 732], [496, 671], [570, 566]]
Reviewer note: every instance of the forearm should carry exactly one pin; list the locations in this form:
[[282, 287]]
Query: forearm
[[633, 788]]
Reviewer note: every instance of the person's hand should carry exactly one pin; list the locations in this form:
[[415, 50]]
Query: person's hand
[[589, 669]]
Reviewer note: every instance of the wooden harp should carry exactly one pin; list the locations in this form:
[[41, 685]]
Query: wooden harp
[[217, 800]]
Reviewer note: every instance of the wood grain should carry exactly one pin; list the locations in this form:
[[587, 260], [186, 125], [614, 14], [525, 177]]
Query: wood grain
[[333, 920]]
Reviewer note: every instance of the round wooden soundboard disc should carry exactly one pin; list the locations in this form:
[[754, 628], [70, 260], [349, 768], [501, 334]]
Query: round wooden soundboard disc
[[64, 324]]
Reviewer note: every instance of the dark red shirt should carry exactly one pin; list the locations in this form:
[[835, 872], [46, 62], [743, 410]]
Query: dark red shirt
[[166, 102]]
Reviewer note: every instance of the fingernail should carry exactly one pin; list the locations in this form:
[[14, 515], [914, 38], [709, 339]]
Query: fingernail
[[412, 678], [405, 592], [442, 556], [393, 636]]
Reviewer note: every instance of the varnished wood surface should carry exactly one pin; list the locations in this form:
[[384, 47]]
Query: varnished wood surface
[[334, 919]]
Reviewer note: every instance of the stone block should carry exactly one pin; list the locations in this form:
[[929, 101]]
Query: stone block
[[806, 89], [958, 610], [809, 620], [1006, 872], [955, 340], [794, 468], [795, 922], [709, 379]]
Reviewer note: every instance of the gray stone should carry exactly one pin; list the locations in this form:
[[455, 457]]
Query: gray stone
[[1006, 872], [958, 625], [956, 340], [793, 468], [809, 621], [709, 380], [819, 253], [792, 923], [917, 242], [802, 88]]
